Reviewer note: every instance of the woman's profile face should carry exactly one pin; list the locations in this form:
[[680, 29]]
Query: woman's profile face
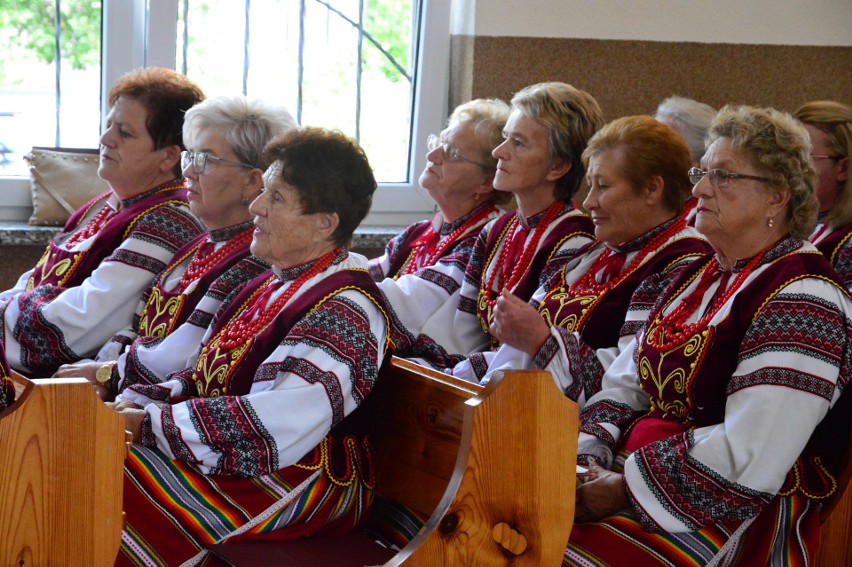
[[524, 156], [449, 180], [284, 235], [830, 172], [216, 196], [616, 207], [129, 162], [737, 210]]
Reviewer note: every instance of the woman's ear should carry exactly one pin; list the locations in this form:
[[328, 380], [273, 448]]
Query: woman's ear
[[778, 200], [171, 157], [252, 186], [326, 224], [558, 170], [654, 190]]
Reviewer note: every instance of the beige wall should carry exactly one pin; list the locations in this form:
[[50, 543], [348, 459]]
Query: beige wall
[[630, 55]]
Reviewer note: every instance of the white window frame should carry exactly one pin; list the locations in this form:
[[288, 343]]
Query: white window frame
[[140, 33]]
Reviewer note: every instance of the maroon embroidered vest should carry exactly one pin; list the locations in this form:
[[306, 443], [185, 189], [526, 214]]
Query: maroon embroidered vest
[[599, 317], [688, 385], [220, 371], [565, 227], [65, 268], [405, 251], [165, 310], [833, 242]]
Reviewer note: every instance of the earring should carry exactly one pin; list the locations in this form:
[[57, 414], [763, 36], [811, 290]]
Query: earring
[[770, 222], [245, 202]]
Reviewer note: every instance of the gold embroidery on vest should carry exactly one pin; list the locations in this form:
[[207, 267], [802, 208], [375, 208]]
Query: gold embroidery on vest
[[165, 310]]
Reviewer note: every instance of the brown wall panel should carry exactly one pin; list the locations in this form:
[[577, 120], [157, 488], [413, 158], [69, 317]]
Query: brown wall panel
[[632, 77]]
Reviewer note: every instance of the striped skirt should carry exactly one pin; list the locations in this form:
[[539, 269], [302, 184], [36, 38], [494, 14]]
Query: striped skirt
[[785, 534], [173, 511]]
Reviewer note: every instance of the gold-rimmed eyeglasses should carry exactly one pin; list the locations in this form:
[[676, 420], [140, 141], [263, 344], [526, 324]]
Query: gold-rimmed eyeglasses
[[199, 161], [720, 177], [451, 152]]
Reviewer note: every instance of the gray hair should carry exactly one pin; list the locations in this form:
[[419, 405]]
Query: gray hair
[[690, 119], [247, 125]]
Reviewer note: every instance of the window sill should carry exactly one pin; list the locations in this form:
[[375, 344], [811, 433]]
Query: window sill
[[22, 234]]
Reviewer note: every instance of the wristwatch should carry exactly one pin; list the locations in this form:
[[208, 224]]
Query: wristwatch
[[104, 374]]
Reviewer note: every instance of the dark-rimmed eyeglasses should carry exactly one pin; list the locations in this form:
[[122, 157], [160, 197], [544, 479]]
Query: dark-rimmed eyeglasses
[[451, 152], [720, 177], [199, 161]]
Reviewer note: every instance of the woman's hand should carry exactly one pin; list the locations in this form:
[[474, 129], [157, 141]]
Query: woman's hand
[[133, 415], [602, 495], [85, 370], [518, 324]]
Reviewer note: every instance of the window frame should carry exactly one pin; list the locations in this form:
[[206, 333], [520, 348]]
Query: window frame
[[140, 33]]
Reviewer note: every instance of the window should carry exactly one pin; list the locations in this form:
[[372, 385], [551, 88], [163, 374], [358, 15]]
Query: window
[[354, 75]]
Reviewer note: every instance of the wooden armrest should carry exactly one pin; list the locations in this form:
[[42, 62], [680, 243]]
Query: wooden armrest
[[62, 457]]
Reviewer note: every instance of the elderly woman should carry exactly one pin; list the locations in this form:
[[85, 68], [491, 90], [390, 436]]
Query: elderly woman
[[540, 164], [829, 125], [223, 168], [255, 423], [574, 324], [459, 176], [690, 119], [697, 411], [88, 283]]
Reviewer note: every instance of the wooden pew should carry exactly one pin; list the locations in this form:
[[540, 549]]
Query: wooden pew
[[492, 468], [62, 457]]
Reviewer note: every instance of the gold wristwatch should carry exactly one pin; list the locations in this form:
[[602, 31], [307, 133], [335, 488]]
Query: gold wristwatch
[[104, 373]]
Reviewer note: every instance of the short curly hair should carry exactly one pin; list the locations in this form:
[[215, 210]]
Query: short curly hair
[[650, 149], [166, 96], [835, 119], [330, 173], [779, 146], [571, 117]]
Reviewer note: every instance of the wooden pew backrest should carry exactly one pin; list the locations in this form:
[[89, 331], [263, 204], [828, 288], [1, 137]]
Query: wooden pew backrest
[[62, 457]]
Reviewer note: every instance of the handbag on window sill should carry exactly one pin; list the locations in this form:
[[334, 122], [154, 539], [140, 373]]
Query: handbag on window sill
[[62, 181]]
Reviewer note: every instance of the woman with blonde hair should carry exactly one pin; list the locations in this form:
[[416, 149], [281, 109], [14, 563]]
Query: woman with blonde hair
[[540, 164], [829, 125], [694, 455]]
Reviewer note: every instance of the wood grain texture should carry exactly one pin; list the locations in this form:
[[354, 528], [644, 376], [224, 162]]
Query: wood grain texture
[[515, 466], [62, 457]]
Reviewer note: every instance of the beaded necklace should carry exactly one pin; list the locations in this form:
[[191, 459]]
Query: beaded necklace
[[671, 330], [201, 264], [92, 227], [254, 316], [427, 248], [818, 233], [511, 275], [586, 284]]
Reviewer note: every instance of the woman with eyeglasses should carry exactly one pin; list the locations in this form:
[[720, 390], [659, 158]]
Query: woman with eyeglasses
[[539, 163], [223, 168], [829, 125], [249, 439], [721, 430], [636, 170], [87, 285], [459, 176]]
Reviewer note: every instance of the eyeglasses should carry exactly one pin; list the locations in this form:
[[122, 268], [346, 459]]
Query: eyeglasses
[[823, 156], [720, 177], [451, 152], [199, 161]]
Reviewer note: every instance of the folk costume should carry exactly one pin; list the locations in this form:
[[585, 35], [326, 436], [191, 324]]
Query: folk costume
[[586, 305], [87, 284], [425, 243], [836, 246], [252, 441], [186, 294], [510, 253], [7, 387], [727, 416]]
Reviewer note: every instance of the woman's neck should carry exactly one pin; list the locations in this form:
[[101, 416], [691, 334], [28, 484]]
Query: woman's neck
[[729, 252], [530, 204]]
